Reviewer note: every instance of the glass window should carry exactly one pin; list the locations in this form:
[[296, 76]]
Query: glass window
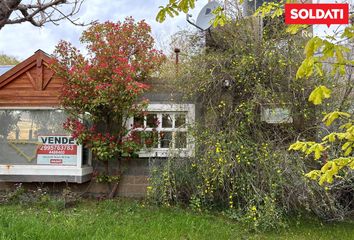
[[152, 121], [167, 121], [180, 120], [19, 132], [164, 130], [165, 139], [138, 121]]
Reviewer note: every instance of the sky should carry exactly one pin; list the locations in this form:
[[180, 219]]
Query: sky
[[22, 40]]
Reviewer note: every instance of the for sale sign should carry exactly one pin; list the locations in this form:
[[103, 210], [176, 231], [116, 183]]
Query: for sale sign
[[324, 13], [57, 150]]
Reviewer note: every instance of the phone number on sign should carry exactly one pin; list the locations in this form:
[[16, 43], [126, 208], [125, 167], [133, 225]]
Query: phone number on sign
[[56, 148]]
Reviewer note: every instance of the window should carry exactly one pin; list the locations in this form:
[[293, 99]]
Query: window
[[163, 130], [34, 147], [19, 131]]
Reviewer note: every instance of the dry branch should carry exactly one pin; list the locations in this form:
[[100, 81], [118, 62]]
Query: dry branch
[[39, 12]]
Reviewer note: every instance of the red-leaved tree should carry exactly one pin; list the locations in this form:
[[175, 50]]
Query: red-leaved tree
[[102, 88]]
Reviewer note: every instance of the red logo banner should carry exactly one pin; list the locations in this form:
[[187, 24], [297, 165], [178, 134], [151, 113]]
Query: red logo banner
[[324, 13]]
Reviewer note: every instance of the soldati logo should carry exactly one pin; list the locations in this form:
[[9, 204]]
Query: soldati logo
[[322, 13]]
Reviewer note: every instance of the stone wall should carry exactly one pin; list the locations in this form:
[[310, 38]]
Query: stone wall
[[134, 181]]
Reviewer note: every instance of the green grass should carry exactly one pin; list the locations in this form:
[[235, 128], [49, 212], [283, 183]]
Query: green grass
[[123, 219]]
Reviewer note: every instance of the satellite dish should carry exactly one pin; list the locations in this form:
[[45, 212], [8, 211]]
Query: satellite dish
[[205, 17]]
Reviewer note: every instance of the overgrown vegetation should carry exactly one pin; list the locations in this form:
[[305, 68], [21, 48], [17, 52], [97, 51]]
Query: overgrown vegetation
[[40, 197], [241, 164]]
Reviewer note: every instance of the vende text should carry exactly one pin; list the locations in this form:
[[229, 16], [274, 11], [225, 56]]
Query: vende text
[[324, 13], [56, 140]]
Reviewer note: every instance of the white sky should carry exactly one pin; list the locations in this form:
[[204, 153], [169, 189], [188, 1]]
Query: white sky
[[22, 40]]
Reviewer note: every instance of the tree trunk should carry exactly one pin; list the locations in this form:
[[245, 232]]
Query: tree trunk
[[6, 9], [116, 184]]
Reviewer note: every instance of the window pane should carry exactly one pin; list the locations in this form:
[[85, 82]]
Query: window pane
[[19, 131], [165, 139], [180, 120], [151, 139], [152, 121], [138, 121], [166, 121], [181, 140]]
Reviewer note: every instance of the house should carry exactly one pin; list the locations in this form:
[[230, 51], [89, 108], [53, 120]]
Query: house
[[34, 147]]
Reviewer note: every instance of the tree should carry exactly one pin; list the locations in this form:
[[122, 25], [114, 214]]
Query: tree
[[38, 13], [174, 7], [241, 162], [8, 60], [103, 89], [8, 121], [330, 54]]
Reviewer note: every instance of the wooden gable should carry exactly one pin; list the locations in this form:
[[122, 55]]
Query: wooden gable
[[31, 83]]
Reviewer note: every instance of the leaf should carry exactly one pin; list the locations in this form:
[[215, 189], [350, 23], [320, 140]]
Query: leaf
[[297, 146], [294, 28], [348, 151], [348, 32], [314, 174], [186, 5], [351, 164], [271, 9], [326, 167], [161, 15], [317, 149], [346, 145], [220, 17], [319, 94], [330, 117], [346, 125], [330, 170], [312, 46], [341, 136], [330, 137], [277, 13], [306, 68], [317, 153]]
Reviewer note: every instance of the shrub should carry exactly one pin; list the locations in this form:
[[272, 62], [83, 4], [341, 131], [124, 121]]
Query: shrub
[[258, 184]]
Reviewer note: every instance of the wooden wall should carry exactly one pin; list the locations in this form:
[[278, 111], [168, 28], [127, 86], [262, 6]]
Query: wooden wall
[[30, 84]]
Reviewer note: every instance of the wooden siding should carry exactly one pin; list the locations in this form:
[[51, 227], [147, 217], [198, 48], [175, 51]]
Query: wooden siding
[[31, 83]]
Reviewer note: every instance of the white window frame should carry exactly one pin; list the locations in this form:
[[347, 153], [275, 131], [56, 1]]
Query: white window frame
[[161, 108], [47, 170]]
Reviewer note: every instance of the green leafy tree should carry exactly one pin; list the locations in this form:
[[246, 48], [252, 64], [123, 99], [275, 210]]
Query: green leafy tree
[[8, 121], [8, 60], [175, 7]]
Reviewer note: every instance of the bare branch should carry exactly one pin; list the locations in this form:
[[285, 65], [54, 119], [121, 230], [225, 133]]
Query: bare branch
[[44, 11]]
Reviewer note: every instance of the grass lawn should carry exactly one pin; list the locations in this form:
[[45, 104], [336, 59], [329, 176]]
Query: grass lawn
[[122, 219]]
